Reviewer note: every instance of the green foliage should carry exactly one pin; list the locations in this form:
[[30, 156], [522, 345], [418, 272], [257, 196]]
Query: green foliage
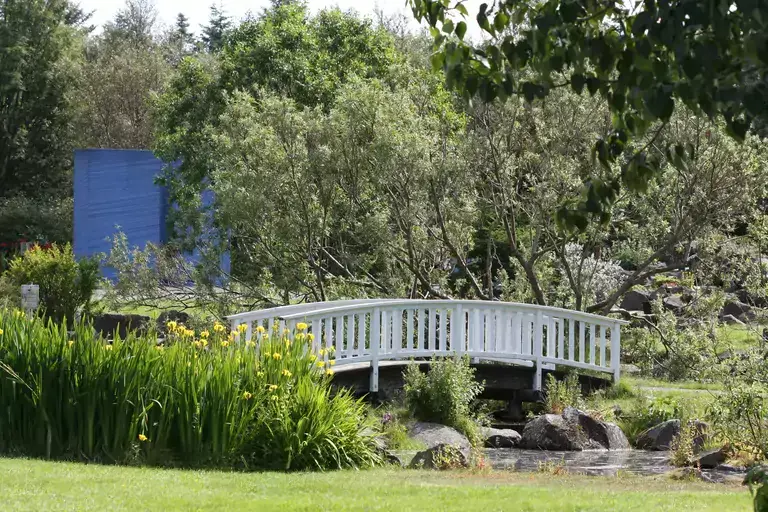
[[643, 61], [681, 451], [36, 77], [207, 398], [444, 394], [66, 284], [562, 394], [757, 478]]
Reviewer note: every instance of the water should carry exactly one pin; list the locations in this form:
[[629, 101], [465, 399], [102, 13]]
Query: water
[[607, 463], [589, 462]]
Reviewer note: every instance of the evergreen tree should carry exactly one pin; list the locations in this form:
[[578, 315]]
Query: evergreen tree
[[181, 35], [213, 33]]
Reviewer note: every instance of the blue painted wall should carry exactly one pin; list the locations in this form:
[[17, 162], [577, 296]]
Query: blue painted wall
[[115, 191]]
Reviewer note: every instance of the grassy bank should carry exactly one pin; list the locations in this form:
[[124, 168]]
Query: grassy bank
[[43, 486]]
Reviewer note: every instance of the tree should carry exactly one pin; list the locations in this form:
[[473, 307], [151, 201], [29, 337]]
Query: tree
[[308, 59], [37, 50], [645, 59], [181, 35], [214, 32], [134, 23], [125, 66]]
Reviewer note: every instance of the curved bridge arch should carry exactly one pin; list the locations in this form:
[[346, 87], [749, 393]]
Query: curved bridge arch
[[375, 330]]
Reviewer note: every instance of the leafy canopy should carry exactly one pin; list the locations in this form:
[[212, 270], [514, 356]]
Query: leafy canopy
[[644, 58]]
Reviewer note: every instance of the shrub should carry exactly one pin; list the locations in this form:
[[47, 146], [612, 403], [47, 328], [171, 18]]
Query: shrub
[[647, 413], [202, 399], [444, 394], [562, 394], [66, 284]]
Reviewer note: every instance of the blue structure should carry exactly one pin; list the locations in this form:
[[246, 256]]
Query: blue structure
[[115, 191]]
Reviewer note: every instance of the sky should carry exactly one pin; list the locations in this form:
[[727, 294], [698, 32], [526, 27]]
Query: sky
[[197, 10]]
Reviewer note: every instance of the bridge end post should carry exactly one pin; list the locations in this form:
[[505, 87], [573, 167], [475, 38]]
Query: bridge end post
[[616, 351], [537, 349], [375, 342]]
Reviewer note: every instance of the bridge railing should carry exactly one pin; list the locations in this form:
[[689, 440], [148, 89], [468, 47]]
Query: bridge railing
[[391, 329]]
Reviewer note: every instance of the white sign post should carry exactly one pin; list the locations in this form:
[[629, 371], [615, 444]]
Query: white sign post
[[30, 298]]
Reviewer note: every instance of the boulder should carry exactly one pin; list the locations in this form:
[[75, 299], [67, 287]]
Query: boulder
[[441, 456], [660, 437], [574, 430], [550, 432], [738, 309], [598, 435], [500, 438], [434, 434], [709, 459], [107, 324], [674, 303], [636, 300]]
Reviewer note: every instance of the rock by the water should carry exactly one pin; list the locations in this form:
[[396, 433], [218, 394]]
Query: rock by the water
[[441, 456], [636, 300], [434, 434], [660, 437], [574, 430], [550, 432], [500, 438], [597, 435], [107, 324], [709, 459]]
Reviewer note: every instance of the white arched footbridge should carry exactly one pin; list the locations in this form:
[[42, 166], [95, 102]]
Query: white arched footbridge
[[376, 330]]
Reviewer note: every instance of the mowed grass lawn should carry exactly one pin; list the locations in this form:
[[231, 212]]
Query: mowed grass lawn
[[41, 486]]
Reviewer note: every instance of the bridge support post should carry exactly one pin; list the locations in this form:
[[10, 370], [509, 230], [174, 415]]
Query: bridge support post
[[375, 342], [616, 351], [537, 349]]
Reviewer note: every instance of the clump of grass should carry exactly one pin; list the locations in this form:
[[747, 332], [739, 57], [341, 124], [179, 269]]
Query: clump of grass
[[562, 394], [208, 398]]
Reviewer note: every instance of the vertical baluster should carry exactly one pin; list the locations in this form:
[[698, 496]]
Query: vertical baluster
[[592, 334], [506, 343], [397, 330], [582, 341], [486, 338], [350, 335], [385, 333], [571, 338], [361, 323], [409, 330], [339, 336], [458, 323], [602, 345], [248, 331], [551, 336], [517, 333], [420, 334], [442, 347], [317, 333], [474, 331], [432, 332], [527, 348], [328, 341], [560, 338]]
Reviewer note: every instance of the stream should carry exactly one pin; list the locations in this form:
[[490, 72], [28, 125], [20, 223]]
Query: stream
[[589, 462]]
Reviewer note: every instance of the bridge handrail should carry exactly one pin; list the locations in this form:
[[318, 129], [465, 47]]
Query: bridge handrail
[[486, 304]]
